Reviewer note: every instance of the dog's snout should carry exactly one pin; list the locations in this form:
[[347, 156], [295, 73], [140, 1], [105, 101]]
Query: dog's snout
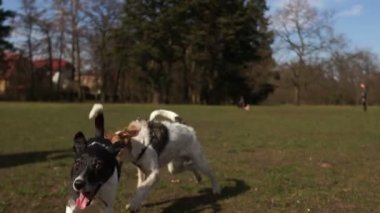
[[79, 184]]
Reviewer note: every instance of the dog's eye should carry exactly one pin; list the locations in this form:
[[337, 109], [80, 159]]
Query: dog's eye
[[99, 164], [79, 164]]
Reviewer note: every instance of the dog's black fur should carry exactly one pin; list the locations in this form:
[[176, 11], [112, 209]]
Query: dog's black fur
[[95, 161], [159, 136]]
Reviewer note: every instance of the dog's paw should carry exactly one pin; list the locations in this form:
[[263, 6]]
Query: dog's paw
[[198, 178], [131, 208]]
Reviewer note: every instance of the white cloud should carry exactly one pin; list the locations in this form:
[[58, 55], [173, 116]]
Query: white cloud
[[275, 4], [355, 10], [280, 3]]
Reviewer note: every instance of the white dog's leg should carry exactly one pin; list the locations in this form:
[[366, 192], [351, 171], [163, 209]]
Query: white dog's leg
[[140, 177], [175, 166], [200, 163], [197, 175], [69, 209], [143, 190], [70, 206], [180, 165]]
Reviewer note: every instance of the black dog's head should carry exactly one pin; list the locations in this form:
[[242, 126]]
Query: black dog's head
[[95, 162]]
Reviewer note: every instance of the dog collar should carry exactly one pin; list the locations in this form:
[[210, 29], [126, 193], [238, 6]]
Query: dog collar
[[98, 143]]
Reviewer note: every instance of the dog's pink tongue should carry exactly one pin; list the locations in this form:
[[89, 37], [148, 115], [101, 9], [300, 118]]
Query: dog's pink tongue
[[81, 201]]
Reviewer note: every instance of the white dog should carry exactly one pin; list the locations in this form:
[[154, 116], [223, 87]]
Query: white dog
[[153, 144]]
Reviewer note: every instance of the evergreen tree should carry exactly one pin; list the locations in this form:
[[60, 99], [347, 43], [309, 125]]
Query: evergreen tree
[[231, 34], [5, 30], [149, 26], [200, 48], [258, 75]]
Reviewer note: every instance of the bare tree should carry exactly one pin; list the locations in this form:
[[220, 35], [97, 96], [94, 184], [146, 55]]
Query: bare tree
[[346, 70], [103, 16], [46, 28], [75, 9], [60, 20], [27, 23], [306, 34]]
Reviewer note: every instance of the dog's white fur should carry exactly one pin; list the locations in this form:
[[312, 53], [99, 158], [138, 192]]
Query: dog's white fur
[[163, 113], [105, 198], [182, 152], [96, 109]]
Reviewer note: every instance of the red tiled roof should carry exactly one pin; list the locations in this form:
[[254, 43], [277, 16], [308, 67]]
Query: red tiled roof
[[56, 63], [9, 56]]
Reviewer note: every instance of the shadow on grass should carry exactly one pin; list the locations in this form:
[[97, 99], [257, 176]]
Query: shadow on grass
[[18, 159], [205, 199]]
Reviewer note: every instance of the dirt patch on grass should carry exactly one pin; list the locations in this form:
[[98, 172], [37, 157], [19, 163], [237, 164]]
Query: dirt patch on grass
[[269, 156]]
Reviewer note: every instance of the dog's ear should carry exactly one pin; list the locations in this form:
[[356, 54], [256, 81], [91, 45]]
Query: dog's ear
[[111, 137], [127, 133], [132, 130], [80, 142]]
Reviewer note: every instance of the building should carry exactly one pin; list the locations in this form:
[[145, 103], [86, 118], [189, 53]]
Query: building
[[62, 72], [90, 84], [14, 75]]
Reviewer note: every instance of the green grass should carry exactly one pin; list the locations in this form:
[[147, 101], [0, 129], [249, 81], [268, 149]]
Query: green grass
[[270, 159]]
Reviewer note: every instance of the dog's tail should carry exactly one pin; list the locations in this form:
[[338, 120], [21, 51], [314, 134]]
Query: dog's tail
[[97, 112], [170, 115]]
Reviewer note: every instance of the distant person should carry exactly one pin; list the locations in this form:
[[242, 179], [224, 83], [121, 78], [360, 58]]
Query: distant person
[[242, 104], [364, 96]]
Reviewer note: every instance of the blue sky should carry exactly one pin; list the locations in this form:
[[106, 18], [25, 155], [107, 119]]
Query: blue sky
[[358, 20]]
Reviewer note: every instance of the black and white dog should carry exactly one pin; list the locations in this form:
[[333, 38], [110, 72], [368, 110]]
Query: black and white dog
[[95, 172], [153, 144]]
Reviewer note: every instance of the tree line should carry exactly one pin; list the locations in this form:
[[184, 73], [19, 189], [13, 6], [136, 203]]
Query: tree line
[[320, 65], [202, 52], [160, 51]]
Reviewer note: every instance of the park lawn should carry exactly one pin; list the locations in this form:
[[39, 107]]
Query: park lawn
[[269, 159]]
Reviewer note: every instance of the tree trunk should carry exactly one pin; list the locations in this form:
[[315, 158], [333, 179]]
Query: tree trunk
[[75, 55], [31, 66], [73, 61], [60, 68], [156, 97], [168, 82], [193, 87], [297, 95], [185, 80], [50, 52], [116, 85], [80, 95], [103, 94]]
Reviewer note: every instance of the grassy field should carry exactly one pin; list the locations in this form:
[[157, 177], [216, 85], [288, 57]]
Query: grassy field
[[270, 159]]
